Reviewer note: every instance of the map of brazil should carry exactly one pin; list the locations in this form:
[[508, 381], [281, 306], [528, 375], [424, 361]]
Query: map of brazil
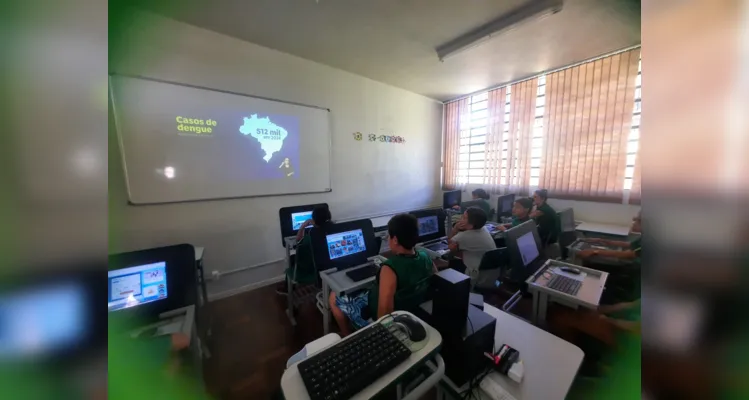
[[270, 135]]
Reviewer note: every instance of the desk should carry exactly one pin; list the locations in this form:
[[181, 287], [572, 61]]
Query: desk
[[293, 386], [550, 364], [605, 229], [339, 282]]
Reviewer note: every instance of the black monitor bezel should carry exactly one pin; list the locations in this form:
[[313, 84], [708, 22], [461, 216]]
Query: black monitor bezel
[[499, 205], [284, 218], [320, 244], [447, 194], [440, 223]]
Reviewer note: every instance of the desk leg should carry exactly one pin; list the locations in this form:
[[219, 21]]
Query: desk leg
[[543, 302], [289, 289], [326, 308], [534, 313]]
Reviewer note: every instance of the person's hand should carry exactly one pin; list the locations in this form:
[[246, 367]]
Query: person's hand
[[456, 207], [461, 225], [502, 228], [180, 341], [306, 224]]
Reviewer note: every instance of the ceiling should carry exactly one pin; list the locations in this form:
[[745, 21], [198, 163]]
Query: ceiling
[[393, 41]]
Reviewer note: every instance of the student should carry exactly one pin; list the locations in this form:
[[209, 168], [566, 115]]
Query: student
[[404, 269], [483, 198], [471, 240], [630, 250], [320, 217], [545, 217], [521, 212]]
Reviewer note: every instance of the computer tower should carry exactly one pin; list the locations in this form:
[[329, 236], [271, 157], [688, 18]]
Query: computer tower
[[450, 295], [463, 352]]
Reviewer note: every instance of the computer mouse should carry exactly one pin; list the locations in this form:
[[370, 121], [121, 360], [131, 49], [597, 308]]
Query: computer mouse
[[413, 328], [570, 270]]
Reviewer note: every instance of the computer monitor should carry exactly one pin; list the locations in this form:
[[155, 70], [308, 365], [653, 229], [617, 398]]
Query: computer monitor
[[431, 224], [291, 218], [297, 219], [137, 285], [343, 245], [504, 205], [567, 220], [525, 251], [451, 198]]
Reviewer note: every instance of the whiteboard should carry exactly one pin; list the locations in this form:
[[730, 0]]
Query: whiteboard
[[186, 143]]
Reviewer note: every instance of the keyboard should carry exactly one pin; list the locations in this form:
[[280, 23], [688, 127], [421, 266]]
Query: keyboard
[[439, 246], [362, 273], [564, 284], [341, 371]]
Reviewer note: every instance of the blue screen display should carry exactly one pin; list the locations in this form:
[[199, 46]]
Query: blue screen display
[[345, 244], [133, 286]]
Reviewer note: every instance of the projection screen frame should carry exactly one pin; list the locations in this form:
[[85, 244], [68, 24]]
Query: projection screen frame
[[122, 148]]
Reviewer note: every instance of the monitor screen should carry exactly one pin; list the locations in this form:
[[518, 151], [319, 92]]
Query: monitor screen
[[297, 219], [507, 205], [133, 286], [345, 243], [451, 198], [428, 225], [528, 248]]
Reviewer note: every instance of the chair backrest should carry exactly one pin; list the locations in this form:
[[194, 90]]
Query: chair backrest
[[306, 269], [409, 298], [493, 259]]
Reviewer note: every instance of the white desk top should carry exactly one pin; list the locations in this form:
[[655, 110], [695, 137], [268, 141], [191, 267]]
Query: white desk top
[[550, 363], [293, 386], [339, 282], [609, 229]]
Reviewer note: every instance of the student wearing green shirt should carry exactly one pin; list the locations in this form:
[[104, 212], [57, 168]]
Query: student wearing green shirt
[[404, 269], [521, 212], [630, 250], [545, 217], [320, 217], [482, 197]]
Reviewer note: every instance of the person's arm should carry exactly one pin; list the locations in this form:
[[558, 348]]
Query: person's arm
[[618, 307], [434, 267], [453, 243], [302, 230], [611, 243], [388, 285]]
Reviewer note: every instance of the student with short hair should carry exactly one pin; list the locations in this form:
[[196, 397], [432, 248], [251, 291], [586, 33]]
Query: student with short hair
[[521, 212], [404, 269], [469, 238], [545, 217], [320, 218], [483, 197]]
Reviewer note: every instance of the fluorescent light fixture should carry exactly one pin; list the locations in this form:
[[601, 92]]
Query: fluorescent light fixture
[[533, 9]]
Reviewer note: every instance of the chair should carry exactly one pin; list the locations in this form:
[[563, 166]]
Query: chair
[[302, 279], [409, 298]]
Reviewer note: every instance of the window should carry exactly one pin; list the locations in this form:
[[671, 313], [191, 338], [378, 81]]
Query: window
[[634, 134], [538, 132], [473, 139]]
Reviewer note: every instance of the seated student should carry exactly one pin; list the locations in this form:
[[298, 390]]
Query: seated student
[[404, 269], [320, 217], [545, 217], [469, 238], [483, 198], [630, 250], [521, 212]]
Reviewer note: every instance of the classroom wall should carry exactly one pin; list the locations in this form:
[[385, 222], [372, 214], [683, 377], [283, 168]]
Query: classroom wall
[[368, 179], [589, 211]]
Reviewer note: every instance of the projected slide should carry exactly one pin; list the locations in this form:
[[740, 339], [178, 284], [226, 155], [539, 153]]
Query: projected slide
[[182, 143]]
